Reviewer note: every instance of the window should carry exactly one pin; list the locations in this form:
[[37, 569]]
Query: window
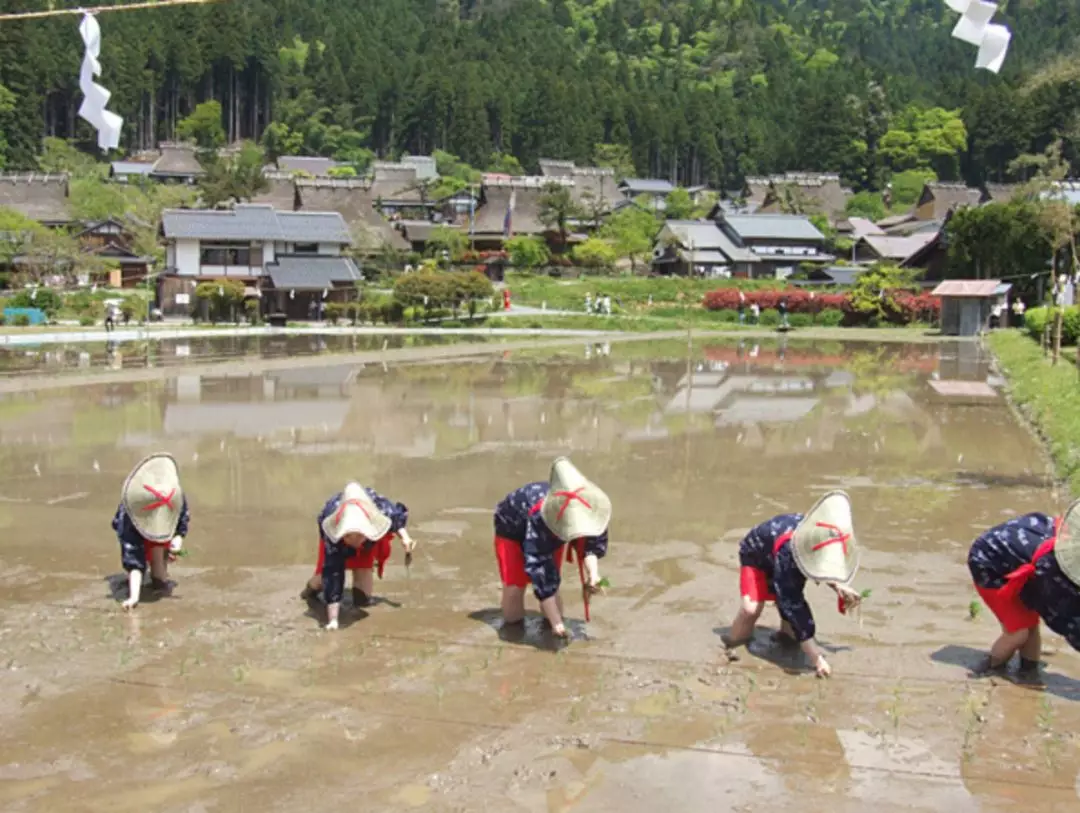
[[306, 248], [226, 254]]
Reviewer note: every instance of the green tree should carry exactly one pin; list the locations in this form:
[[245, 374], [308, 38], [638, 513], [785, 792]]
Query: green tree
[[616, 156], [905, 188], [527, 252], [866, 204], [595, 253], [678, 205], [932, 138], [203, 126], [235, 178], [224, 299], [58, 155], [631, 231], [870, 295], [7, 108], [504, 164], [445, 238], [556, 209]]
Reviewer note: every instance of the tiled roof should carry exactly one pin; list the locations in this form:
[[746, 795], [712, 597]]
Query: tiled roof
[[897, 248], [255, 222], [707, 236], [776, 227], [312, 165], [647, 186], [307, 273]]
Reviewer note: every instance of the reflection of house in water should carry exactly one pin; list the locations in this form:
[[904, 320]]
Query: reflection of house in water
[[744, 399]]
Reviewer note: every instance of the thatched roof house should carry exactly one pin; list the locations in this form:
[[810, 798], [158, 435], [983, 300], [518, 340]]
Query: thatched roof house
[[495, 196], [353, 200], [938, 199], [40, 197], [799, 193]]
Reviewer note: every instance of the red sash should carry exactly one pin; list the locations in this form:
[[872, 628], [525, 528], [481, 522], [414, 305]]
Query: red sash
[[1015, 581]]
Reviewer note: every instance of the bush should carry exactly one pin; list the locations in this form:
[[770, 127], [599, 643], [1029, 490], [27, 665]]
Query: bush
[[46, 299], [22, 320], [770, 317], [335, 312], [251, 308], [222, 296], [87, 321], [132, 308], [898, 307], [726, 315], [830, 317], [1035, 322], [800, 320], [1036, 319]]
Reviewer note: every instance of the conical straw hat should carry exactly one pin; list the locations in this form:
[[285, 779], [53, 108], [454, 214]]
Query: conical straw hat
[[824, 542], [356, 514], [152, 497], [574, 507], [1067, 547]]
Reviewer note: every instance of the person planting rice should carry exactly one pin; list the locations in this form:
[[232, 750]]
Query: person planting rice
[[777, 558], [356, 529], [1025, 570], [535, 526], [150, 523]]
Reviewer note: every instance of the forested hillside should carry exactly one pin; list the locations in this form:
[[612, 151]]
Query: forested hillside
[[700, 90]]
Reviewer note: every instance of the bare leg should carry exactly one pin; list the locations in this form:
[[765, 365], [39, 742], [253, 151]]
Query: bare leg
[[159, 568], [1005, 647], [513, 604], [363, 585], [742, 628], [312, 588], [1032, 648]]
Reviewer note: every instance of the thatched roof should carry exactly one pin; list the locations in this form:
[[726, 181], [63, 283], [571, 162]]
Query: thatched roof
[[1001, 192], [495, 197], [595, 185], [550, 168], [43, 198], [281, 194], [948, 196], [353, 200], [177, 161], [395, 183], [812, 192]]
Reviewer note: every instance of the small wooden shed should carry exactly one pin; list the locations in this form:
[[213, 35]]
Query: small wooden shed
[[966, 304]]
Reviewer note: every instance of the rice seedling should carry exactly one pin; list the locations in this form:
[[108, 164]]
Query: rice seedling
[[974, 610]]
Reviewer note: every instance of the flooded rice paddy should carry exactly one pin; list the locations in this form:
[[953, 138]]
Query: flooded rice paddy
[[228, 695]]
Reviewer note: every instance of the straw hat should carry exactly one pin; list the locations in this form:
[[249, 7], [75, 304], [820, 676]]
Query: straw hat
[[824, 542], [152, 497], [574, 507], [356, 514], [1067, 547]]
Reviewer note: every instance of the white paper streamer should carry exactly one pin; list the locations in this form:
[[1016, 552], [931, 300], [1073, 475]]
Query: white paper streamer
[[93, 110], [974, 27]]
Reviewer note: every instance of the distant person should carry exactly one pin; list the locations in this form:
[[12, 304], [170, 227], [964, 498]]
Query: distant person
[[607, 305], [777, 558], [1026, 570], [150, 523], [782, 307], [1018, 309], [112, 313], [535, 526], [755, 312], [742, 312], [313, 310], [356, 529], [995, 315], [588, 303]]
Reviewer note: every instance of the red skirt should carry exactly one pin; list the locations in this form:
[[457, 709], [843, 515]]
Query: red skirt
[[511, 561], [376, 555], [1007, 607], [754, 584]]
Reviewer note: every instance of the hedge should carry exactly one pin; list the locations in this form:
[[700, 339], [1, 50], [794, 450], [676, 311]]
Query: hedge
[[903, 307], [1035, 321]]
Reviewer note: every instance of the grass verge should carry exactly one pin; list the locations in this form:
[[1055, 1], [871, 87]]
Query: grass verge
[[627, 293], [1047, 395]]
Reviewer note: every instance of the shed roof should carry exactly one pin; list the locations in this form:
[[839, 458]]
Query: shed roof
[[255, 222], [40, 197], [771, 226], [897, 248], [979, 288], [309, 273], [647, 186]]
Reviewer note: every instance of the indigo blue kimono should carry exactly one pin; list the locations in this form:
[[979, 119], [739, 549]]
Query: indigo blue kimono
[[132, 544], [518, 519], [336, 554], [1008, 546], [786, 581]]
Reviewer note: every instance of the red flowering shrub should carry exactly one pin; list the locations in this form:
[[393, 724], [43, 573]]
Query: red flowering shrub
[[904, 306]]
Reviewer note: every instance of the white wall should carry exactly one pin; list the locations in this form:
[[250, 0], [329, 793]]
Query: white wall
[[232, 271], [330, 249], [187, 257], [269, 251]]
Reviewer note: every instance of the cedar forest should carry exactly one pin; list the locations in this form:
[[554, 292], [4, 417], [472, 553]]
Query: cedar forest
[[696, 91]]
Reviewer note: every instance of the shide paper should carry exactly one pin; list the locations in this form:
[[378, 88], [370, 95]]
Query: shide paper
[[95, 97], [974, 27]]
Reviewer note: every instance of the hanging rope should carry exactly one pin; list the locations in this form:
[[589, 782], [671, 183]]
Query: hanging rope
[[28, 15]]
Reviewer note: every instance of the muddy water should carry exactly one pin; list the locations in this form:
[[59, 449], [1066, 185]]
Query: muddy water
[[228, 696]]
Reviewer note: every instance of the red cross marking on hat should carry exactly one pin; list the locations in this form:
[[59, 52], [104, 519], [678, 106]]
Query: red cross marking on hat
[[344, 504], [162, 499], [840, 538], [570, 497]]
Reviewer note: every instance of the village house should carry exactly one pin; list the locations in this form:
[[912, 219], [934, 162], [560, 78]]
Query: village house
[[700, 248], [397, 190], [354, 201], [594, 188], [496, 221], [804, 193], [841, 276], [781, 242], [935, 203], [291, 260], [37, 196], [890, 248], [112, 240], [173, 163], [655, 190]]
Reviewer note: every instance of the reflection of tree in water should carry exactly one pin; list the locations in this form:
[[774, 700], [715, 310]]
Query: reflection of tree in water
[[874, 375]]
